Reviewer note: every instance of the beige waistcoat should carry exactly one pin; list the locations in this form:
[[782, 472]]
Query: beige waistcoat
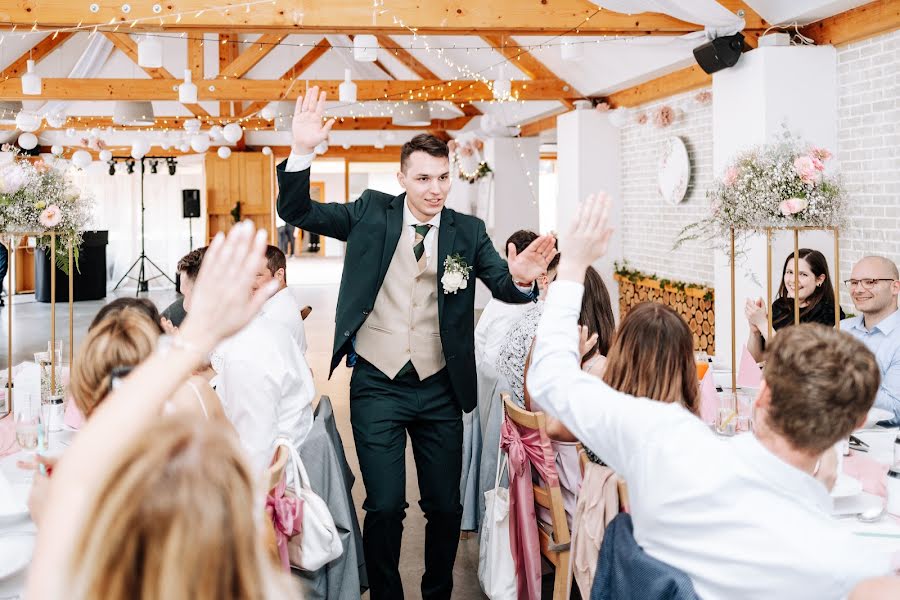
[[403, 325]]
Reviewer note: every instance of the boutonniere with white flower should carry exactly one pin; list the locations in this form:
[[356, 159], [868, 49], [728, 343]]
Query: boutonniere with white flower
[[456, 274]]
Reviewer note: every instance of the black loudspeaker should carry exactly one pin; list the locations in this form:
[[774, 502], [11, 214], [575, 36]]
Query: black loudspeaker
[[190, 203], [720, 53]]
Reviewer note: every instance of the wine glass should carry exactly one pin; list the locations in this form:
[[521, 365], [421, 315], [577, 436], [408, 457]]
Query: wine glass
[[28, 423]]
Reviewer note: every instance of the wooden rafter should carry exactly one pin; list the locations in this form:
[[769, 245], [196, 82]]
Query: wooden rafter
[[124, 43], [443, 17], [38, 52], [195, 57], [528, 64], [251, 55], [259, 90], [305, 62], [856, 24], [255, 124], [228, 52]]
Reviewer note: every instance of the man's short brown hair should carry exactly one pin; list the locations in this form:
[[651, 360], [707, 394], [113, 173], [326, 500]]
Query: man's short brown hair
[[189, 265], [275, 259], [424, 142], [822, 383]]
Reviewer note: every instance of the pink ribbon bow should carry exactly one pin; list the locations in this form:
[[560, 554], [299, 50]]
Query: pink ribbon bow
[[286, 513]]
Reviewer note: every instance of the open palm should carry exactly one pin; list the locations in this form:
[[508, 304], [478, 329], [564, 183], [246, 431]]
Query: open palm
[[533, 261], [307, 127]]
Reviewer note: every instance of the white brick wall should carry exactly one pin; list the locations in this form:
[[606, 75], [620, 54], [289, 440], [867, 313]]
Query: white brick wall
[[868, 156], [650, 224], [869, 148]]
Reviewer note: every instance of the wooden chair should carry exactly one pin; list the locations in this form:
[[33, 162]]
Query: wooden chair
[[621, 486], [554, 536], [274, 475], [304, 312]]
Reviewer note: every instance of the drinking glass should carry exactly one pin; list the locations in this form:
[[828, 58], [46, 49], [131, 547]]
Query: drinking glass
[[58, 348], [745, 410], [28, 423], [702, 361], [726, 415]]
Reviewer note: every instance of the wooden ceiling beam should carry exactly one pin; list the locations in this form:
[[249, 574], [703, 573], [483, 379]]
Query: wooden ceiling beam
[[47, 45], [856, 24], [177, 123], [445, 17], [683, 80], [251, 55], [195, 57], [267, 90], [528, 64], [124, 43], [228, 53]]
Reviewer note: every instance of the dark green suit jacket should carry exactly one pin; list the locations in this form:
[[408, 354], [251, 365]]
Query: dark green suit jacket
[[371, 226]]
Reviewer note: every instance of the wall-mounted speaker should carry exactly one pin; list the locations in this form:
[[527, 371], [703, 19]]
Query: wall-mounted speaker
[[190, 204], [720, 53]]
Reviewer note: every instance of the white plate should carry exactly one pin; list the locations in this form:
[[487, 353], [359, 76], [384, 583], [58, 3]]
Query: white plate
[[15, 552], [846, 486], [875, 415]]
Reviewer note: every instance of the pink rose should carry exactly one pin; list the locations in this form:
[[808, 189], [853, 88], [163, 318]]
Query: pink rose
[[50, 217], [793, 206], [818, 164], [806, 169], [820, 153], [731, 175]]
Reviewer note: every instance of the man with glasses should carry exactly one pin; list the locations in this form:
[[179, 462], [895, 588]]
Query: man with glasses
[[874, 287]]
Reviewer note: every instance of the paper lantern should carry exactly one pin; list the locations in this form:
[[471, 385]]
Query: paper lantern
[[232, 133], [267, 112], [56, 149], [27, 141], [82, 159], [105, 155], [200, 143], [150, 52], [192, 125], [184, 147], [223, 151], [267, 151], [139, 148], [56, 120], [28, 121]]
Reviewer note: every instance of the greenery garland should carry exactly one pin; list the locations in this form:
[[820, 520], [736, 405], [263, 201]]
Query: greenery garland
[[635, 276]]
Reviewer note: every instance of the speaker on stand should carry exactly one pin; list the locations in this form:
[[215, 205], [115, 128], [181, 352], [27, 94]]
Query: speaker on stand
[[190, 210]]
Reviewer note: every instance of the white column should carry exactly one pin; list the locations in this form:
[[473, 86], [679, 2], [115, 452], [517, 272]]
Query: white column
[[771, 87], [588, 158], [515, 163]]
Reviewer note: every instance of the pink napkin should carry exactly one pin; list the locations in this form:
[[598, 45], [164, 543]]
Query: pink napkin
[[749, 375], [868, 470], [709, 399], [73, 417], [8, 444]]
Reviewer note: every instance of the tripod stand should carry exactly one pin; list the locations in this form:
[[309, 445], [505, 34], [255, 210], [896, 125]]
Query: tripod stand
[[143, 283]]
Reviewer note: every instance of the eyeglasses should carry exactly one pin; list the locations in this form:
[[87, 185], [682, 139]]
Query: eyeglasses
[[865, 283]]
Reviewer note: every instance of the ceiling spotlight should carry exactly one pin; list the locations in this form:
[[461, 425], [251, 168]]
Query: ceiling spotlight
[[129, 166], [154, 163], [170, 163], [112, 167]]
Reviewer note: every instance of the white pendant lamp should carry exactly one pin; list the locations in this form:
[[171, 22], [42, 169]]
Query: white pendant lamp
[[413, 114], [365, 48], [135, 114], [150, 52], [347, 90], [187, 91], [31, 81]]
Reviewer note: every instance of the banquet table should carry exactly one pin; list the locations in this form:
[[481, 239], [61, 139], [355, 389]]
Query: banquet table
[[17, 531]]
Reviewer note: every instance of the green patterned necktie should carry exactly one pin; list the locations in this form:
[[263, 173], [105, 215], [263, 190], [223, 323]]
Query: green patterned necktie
[[419, 247]]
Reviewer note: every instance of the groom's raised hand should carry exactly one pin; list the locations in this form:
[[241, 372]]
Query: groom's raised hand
[[307, 127], [533, 260]]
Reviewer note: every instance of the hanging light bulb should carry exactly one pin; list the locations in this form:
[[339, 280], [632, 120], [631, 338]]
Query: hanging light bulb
[[347, 90], [31, 81], [365, 48], [149, 52], [187, 91]]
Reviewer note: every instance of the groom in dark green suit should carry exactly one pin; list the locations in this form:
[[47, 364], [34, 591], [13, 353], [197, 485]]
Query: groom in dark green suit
[[405, 322]]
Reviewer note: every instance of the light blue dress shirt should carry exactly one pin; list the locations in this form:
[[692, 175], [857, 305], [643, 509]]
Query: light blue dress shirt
[[884, 342]]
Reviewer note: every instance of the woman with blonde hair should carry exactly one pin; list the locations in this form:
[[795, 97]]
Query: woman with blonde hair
[[146, 507]]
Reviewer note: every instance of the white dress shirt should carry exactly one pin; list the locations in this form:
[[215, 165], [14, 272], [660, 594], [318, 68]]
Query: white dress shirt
[[266, 388], [884, 342], [494, 323], [284, 310], [739, 521]]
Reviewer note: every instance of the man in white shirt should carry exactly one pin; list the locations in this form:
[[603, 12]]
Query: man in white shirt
[[281, 309], [743, 517], [263, 380], [874, 287]]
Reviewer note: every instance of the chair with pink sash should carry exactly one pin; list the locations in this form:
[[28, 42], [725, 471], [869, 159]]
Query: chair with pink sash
[[524, 438], [284, 511]]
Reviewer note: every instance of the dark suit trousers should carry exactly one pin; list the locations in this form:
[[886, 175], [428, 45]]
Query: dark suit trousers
[[382, 412]]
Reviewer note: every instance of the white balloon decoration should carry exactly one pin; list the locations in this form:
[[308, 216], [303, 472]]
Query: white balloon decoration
[[56, 149], [139, 148], [28, 141], [28, 121], [192, 125], [215, 131], [82, 159], [184, 147], [232, 133], [200, 143], [105, 155], [268, 112], [224, 152], [267, 151], [56, 120]]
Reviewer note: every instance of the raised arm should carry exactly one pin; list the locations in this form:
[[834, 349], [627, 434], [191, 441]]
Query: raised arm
[[222, 304], [512, 281]]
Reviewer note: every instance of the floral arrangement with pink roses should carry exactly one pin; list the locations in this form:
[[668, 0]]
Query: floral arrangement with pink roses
[[777, 185], [37, 198]]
